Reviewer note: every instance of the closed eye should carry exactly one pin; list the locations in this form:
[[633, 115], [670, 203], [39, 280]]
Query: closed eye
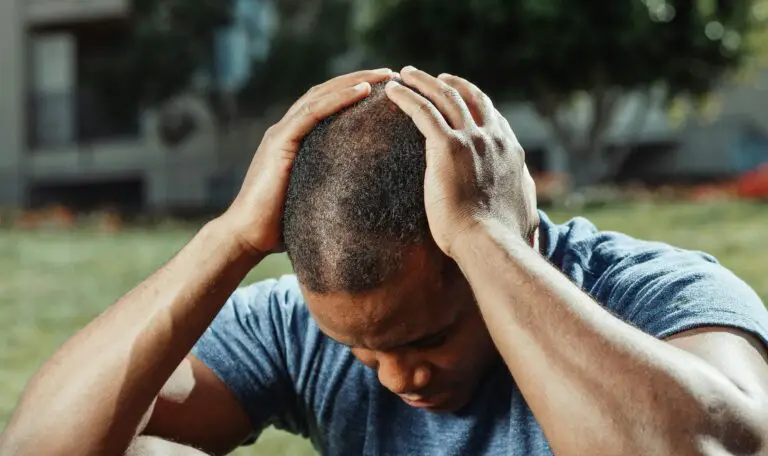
[[433, 341]]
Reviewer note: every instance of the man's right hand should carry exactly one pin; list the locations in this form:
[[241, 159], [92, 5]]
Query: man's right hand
[[106, 377], [255, 215]]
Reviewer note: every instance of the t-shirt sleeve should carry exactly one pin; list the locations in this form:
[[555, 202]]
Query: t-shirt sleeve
[[665, 291], [245, 347]]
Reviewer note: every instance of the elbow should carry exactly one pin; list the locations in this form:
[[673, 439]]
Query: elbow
[[726, 430], [22, 443], [738, 431], [17, 442], [46, 440], [27, 436], [698, 426]]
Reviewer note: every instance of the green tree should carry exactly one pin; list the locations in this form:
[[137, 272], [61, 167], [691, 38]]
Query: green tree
[[308, 46], [169, 42], [171, 46], [558, 53]]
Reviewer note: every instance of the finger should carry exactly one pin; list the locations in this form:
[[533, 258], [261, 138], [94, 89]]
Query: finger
[[340, 83], [424, 114], [529, 189], [479, 104], [505, 124], [313, 110], [443, 96]]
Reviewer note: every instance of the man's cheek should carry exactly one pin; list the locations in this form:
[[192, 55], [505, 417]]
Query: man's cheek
[[450, 363]]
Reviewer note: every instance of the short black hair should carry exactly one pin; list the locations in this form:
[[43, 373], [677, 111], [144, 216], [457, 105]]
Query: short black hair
[[355, 200]]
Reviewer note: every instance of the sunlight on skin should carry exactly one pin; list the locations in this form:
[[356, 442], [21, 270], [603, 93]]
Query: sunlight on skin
[[42, 303], [181, 384]]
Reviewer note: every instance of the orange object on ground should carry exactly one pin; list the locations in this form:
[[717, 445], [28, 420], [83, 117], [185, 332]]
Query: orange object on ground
[[754, 184]]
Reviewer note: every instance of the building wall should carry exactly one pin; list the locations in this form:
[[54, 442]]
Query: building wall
[[40, 98], [12, 123], [43, 12], [208, 166]]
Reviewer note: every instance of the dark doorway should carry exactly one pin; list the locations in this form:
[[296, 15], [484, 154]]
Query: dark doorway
[[125, 195]]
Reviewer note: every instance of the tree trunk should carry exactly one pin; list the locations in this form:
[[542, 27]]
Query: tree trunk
[[588, 160], [587, 167]]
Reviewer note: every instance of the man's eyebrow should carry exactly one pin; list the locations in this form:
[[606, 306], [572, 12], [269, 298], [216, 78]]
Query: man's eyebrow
[[396, 345], [426, 337], [418, 340]]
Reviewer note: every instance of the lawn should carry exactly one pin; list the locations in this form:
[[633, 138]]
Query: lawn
[[55, 282]]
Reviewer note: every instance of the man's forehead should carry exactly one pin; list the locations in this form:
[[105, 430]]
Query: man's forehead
[[353, 320], [381, 339], [379, 322], [417, 302]]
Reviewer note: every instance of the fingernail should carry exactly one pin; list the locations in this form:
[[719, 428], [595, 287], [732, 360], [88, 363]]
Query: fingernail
[[444, 75], [384, 70], [391, 85], [361, 87], [408, 69]]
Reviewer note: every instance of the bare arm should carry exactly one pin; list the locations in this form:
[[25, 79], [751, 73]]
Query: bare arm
[[91, 396], [153, 446], [197, 409], [595, 382]]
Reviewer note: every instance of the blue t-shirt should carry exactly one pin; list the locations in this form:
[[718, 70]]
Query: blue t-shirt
[[267, 348]]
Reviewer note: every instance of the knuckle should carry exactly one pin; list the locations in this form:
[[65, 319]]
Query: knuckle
[[308, 109], [450, 93], [502, 144], [503, 120], [455, 142], [424, 108], [499, 142], [449, 78], [482, 142], [481, 98], [271, 132]]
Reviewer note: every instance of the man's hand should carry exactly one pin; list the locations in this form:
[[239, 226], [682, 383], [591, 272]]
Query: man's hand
[[256, 213], [595, 384], [475, 167]]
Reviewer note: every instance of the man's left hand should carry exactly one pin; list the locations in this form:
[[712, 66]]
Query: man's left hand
[[476, 169]]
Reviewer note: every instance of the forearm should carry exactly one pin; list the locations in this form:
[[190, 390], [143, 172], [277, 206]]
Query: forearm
[[153, 446], [596, 384], [89, 398]]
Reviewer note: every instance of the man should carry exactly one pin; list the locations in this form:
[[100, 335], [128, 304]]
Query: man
[[435, 311]]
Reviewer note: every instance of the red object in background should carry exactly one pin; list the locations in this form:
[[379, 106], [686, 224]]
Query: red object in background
[[754, 184]]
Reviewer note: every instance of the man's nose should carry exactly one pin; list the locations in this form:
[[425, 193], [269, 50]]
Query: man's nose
[[400, 375]]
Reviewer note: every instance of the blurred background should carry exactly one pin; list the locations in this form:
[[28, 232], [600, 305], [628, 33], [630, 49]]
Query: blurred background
[[124, 124]]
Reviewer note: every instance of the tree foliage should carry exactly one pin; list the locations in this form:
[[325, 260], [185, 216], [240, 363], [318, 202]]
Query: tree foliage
[[310, 36], [168, 43], [547, 51]]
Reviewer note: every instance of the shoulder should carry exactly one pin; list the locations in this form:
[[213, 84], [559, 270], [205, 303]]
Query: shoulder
[[275, 299], [283, 290], [578, 243], [265, 347], [660, 288], [259, 313]]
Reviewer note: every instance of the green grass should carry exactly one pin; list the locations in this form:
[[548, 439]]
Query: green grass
[[54, 283]]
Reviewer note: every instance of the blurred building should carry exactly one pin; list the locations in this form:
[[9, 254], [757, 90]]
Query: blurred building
[[61, 144], [722, 145]]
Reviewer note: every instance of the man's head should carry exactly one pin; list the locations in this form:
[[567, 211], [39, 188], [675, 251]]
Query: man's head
[[356, 232]]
